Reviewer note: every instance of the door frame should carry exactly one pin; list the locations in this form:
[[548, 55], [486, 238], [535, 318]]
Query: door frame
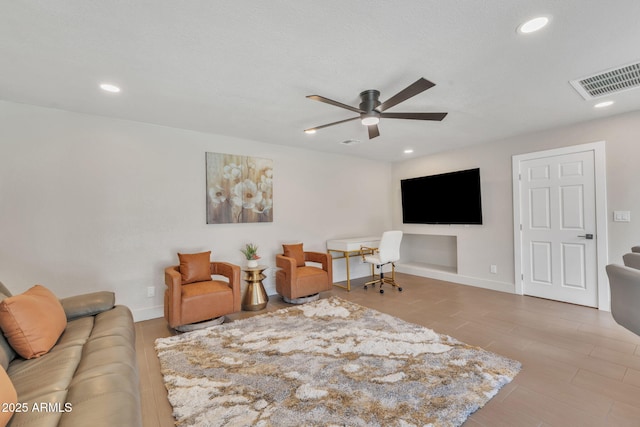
[[602, 238]]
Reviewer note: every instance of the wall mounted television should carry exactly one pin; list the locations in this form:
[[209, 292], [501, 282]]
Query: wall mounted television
[[447, 198]]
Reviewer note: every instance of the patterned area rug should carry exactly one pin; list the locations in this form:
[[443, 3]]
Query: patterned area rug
[[331, 363]]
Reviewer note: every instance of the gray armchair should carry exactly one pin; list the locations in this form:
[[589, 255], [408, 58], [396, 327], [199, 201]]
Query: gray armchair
[[632, 260], [625, 296]]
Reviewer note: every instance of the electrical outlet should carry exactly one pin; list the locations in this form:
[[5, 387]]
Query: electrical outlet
[[494, 269], [151, 291]]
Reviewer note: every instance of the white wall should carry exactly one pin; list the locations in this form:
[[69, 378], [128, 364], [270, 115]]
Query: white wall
[[492, 243], [90, 203]]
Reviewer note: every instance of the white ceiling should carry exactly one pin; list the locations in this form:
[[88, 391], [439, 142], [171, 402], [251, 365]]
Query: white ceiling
[[243, 68]]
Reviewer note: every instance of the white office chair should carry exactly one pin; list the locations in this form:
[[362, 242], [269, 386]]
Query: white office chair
[[388, 252]]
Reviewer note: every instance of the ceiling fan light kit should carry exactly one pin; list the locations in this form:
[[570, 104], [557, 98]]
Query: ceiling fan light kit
[[370, 119], [371, 110]]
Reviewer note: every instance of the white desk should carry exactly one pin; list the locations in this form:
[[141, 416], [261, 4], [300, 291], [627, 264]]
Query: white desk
[[350, 247]]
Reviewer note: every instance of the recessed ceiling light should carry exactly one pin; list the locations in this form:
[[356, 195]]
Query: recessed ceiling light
[[109, 87], [533, 25], [408, 151], [603, 104]]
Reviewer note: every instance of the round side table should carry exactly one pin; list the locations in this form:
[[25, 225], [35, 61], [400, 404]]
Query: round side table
[[255, 298]]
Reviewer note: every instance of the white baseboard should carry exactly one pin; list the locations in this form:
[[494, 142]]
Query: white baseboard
[[448, 276], [140, 314]]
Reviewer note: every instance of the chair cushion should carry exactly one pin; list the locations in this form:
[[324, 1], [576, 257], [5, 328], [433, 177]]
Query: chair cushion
[[195, 267], [8, 398], [311, 280], [311, 271], [21, 321], [203, 288], [206, 300], [373, 259], [296, 252]]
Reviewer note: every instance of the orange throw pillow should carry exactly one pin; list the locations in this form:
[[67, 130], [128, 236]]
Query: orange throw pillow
[[296, 252], [32, 321], [8, 398], [195, 267]]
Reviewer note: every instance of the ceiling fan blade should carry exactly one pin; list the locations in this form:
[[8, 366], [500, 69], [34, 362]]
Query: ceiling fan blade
[[336, 103], [373, 131], [331, 124], [413, 89], [414, 116]]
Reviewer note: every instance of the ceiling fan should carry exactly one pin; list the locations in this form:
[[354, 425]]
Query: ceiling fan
[[371, 110]]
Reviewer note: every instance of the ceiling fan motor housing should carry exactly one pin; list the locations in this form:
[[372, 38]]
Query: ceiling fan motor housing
[[369, 100]]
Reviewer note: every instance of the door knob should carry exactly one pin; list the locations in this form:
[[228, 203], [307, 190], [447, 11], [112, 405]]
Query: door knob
[[587, 236]]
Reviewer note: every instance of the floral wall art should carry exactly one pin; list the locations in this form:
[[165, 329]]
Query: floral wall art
[[239, 189]]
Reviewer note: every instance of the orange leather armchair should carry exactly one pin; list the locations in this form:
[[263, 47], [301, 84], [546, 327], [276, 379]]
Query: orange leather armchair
[[295, 279], [188, 301]]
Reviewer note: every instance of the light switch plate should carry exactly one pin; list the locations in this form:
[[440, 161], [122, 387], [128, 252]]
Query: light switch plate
[[622, 216]]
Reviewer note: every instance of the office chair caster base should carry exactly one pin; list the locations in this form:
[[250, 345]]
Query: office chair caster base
[[365, 287], [382, 291], [399, 289]]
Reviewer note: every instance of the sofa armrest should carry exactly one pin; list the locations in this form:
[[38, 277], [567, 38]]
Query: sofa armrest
[[88, 304]]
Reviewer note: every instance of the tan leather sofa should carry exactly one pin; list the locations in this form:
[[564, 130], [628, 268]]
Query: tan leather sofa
[[89, 377]]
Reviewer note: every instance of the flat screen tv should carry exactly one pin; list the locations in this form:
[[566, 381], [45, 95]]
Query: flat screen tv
[[448, 198]]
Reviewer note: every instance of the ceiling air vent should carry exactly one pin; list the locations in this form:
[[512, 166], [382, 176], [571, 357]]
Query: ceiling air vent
[[607, 82], [350, 142]]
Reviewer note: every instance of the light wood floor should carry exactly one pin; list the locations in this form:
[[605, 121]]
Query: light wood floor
[[579, 367]]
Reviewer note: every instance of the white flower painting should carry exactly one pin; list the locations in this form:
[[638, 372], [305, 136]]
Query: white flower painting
[[239, 189]]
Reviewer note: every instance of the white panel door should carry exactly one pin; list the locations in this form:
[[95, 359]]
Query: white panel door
[[558, 223]]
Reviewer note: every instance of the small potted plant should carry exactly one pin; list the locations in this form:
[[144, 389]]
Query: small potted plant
[[250, 252]]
